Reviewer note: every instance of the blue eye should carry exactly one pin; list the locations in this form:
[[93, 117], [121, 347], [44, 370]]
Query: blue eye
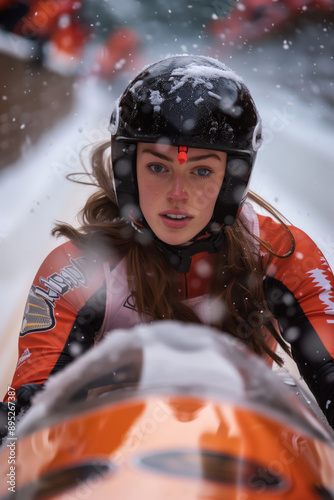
[[202, 172], [157, 169]]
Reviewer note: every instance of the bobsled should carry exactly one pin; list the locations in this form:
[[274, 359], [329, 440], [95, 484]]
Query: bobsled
[[163, 411]]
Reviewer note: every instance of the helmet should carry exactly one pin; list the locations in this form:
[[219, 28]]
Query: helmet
[[192, 101]]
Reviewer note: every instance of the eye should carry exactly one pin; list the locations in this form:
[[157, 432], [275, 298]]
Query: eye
[[202, 172], [157, 169]]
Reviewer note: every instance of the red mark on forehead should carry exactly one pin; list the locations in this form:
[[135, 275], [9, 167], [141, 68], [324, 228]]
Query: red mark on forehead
[[182, 156]]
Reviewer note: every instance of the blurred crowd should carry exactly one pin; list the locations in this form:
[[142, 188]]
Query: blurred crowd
[[108, 38]]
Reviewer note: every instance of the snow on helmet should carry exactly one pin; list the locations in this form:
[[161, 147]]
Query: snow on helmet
[[192, 101]]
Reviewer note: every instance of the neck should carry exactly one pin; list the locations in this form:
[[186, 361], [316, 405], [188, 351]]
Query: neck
[[179, 257]]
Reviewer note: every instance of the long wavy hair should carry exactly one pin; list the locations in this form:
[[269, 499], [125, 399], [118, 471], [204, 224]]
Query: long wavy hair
[[237, 284]]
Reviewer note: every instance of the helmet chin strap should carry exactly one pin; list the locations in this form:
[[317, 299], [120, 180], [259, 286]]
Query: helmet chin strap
[[179, 257]]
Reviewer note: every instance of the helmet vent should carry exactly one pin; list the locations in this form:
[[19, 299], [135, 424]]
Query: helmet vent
[[257, 137], [114, 119]]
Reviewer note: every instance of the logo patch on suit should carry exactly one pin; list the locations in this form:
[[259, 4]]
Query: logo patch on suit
[[38, 314]]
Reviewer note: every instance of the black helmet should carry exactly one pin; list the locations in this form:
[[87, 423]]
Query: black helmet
[[191, 101]]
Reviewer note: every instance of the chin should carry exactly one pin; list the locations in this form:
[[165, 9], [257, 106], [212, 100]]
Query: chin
[[174, 241]]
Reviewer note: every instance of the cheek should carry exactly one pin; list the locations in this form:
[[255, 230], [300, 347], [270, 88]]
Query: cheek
[[148, 197], [143, 186], [206, 197], [148, 192]]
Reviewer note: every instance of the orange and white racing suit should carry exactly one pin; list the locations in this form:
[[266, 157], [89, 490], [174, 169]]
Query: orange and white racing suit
[[75, 298]]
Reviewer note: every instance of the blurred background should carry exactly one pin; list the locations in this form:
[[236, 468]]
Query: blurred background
[[63, 63]]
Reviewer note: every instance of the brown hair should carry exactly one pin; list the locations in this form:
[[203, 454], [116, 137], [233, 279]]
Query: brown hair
[[237, 285]]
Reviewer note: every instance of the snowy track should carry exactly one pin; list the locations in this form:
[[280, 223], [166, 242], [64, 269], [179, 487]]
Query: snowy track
[[34, 194]]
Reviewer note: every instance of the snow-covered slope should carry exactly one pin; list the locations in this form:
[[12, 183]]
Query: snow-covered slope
[[34, 193]]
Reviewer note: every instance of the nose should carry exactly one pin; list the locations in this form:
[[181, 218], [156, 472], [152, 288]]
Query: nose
[[177, 190]]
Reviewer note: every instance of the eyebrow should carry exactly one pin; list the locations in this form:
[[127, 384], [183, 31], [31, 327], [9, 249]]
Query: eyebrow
[[193, 159]]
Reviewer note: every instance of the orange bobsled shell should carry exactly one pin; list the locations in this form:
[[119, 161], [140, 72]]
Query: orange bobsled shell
[[148, 452], [164, 411]]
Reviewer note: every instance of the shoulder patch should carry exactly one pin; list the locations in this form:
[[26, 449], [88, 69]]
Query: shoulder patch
[[38, 314]]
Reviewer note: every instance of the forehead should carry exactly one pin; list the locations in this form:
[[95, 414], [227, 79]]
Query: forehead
[[172, 151]]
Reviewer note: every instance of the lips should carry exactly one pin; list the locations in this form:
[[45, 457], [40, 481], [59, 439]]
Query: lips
[[175, 219], [176, 211], [174, 216]]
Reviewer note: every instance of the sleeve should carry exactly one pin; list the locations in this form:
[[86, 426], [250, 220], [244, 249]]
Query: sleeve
[[300, 292], [64, 310]]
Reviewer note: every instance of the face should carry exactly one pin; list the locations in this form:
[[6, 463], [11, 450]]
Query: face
[[177, 201]]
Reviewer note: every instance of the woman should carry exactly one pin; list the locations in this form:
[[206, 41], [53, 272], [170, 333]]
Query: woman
[[171, 234]]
